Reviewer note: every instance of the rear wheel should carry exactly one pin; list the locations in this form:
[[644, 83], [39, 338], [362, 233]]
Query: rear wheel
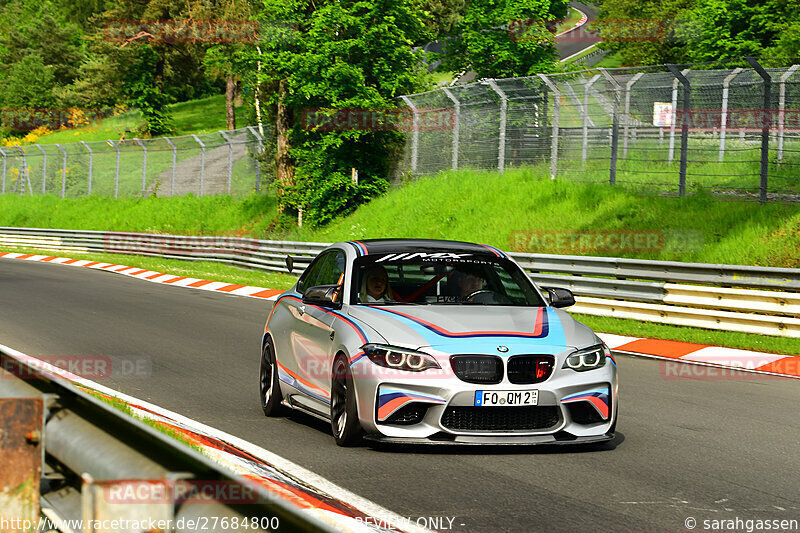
[[344, 413], [269, 385]]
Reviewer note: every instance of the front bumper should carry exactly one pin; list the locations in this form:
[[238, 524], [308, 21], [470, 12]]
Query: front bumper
[[567, 411]]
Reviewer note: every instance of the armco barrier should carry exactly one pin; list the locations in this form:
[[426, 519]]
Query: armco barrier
[[102, 464], [728, 297]]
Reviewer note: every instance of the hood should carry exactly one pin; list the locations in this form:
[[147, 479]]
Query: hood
[[476, 329]]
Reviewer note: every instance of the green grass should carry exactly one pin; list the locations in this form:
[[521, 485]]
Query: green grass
[[181, 215], [198, 117], [570, 21], [730, 339], [612, 60]]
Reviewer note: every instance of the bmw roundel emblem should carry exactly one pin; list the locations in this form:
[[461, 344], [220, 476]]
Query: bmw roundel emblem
[[502, 349]]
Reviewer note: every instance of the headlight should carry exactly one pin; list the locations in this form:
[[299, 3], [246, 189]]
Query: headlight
[[399, 358], [588, 359]]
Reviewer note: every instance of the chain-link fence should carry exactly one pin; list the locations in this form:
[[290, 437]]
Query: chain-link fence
[[673, 128], [225, 162]]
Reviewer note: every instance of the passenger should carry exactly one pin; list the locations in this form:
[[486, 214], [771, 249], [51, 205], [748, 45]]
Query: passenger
[[375, 285]]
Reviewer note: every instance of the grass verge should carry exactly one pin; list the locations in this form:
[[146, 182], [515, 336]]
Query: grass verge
[[729, 339]]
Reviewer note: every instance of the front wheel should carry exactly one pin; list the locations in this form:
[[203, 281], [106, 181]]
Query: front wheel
[[269, 385], [344, 413]]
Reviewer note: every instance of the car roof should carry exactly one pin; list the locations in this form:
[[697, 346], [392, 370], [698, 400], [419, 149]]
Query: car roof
[[384, 246]]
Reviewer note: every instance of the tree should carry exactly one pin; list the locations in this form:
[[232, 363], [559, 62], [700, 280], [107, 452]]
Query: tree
[[335, 55], [505, 38]]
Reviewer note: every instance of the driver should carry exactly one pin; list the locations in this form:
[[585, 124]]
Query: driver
[[375, 285], [468, 281]]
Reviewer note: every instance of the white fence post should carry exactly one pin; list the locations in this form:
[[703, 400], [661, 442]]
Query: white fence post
[[202, 161], [723, 121], [628, 87], [456, 125], [144, 165], [116, 167], [44, 168], [91, 162], [230, 158], [63, 171], [675, 84], [782, 108], [586, 119], [414, 134], [501, 147], [556, 114], [4, 169]]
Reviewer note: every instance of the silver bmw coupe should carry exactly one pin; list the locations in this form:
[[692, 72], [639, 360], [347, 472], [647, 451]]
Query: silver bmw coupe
[[437, 342]]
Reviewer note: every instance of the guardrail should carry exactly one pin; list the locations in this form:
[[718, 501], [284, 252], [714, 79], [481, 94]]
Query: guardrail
[[70, 454], [761, 300]]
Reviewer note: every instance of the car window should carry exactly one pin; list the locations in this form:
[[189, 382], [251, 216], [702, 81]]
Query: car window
[[331, 271], [310, 275]]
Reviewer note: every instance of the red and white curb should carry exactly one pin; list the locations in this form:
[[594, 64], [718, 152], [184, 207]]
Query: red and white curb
[[153, 276], [580, 23], [745, 360], [309, 492], [704, 354]]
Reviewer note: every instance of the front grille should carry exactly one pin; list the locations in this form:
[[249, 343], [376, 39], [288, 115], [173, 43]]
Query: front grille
[[482, 369], [408, 414], [468, 418], [527, 369], [583, 413]]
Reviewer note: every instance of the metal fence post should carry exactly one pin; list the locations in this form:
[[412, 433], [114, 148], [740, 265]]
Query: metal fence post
[[4, 169], [723, 123], [258, 163], [628, 87], [144, 165], [44, 168], [230, 159], [63, 171], [414, 133], [501, 147], [172, 171], [556, 114], [782, 108], [24, 178], [586, 119], [766, 122], [674, 117], [91, 161], [612, 171], [202, 161], [687, 99], [456, 125], [116, 167]]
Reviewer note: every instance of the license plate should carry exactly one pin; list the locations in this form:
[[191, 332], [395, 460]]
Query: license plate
[[492, 398]]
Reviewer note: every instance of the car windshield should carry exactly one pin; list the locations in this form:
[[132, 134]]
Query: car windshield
[[441, 281]]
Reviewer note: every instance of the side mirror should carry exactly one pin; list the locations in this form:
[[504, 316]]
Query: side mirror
[[289, 263], [324, 296], [560, 297]]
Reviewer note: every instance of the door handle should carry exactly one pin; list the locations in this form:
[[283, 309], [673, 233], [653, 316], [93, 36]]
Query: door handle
[[301, 309]]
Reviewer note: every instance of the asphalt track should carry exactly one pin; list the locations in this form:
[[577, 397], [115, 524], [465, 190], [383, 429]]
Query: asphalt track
[[578, 39], [710, 449]]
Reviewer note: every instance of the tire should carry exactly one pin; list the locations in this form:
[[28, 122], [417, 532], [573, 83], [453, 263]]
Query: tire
[[345, 425], [269, 385]]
